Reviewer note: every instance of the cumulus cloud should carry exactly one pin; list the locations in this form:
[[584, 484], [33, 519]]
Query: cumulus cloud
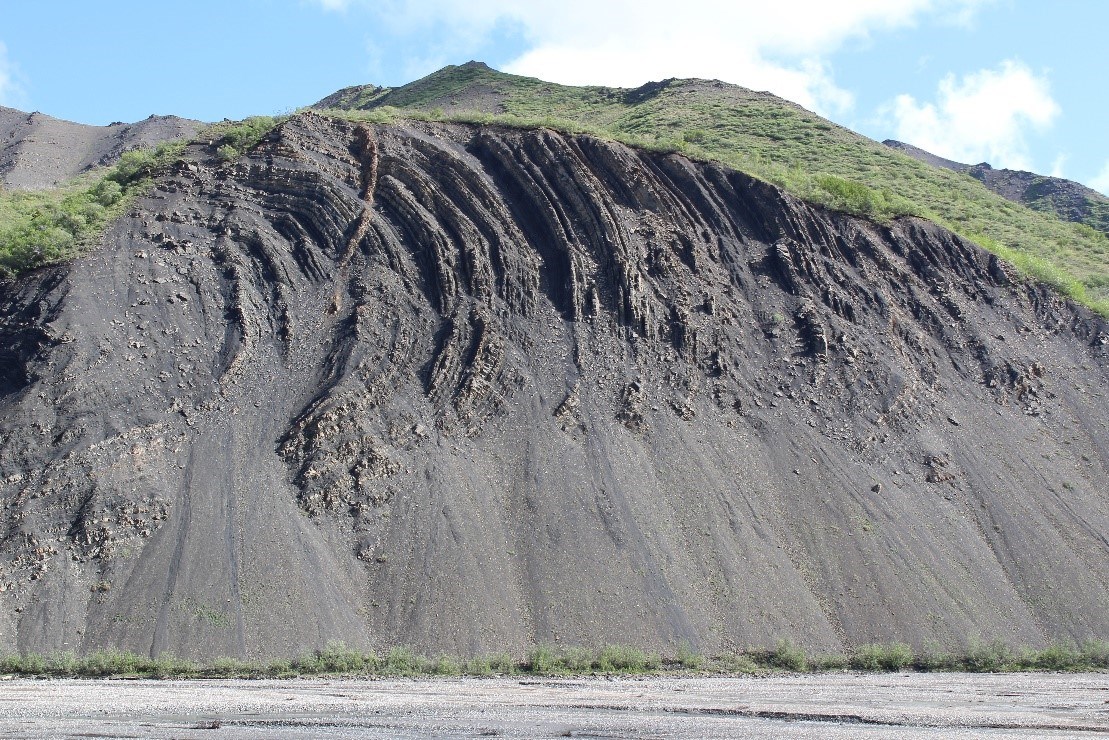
[[983, 116], [9, 88], [778, 46], [1100, 182]]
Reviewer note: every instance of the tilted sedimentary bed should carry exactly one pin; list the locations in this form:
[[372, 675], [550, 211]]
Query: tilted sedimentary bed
[[471, 389]]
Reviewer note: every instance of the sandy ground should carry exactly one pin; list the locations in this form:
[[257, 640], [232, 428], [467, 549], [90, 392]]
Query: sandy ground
[[825, 706]]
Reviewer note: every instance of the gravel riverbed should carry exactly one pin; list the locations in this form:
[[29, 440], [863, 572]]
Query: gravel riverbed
[[792, 706]]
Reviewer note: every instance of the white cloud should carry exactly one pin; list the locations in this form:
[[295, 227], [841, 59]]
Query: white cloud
[[780, 46], [10, 91], [1058, 166], [1100, 182], [984, 116]]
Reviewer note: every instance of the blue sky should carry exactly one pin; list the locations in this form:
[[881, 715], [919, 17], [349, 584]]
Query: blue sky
[[1019, 83]]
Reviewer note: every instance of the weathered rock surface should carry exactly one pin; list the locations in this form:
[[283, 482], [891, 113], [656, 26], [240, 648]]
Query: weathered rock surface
[[38, 151], [474, 388]]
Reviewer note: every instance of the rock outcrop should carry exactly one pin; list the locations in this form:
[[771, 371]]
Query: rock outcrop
[[470, 389]]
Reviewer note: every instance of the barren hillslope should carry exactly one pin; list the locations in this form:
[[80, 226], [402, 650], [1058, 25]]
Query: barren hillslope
[[38, 151], [471, 388]]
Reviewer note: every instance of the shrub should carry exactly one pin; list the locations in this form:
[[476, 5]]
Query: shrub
[[936, 659], [787, 656], [336, 657], [1095, 653], [63, 664], [736, 663], [992, 657], [478, 667], [228, 667], [235, 138], [1058, 657], [446, 665], [613, 658], [542, 660], [686, 658], [502, 663], [893, 657], [402, 661], [578, 660]]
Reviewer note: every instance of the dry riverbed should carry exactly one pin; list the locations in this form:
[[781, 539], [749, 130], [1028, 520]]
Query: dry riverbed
[[907, 705]]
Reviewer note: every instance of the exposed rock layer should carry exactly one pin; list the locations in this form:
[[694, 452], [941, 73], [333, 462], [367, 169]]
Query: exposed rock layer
[[471, 389]]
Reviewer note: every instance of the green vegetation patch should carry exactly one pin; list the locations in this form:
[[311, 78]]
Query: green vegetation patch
[[545, 660], [42, 227], [235, 138]]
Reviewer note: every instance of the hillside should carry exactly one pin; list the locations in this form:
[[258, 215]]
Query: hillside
[[1066, 199], [770, 138], [39, 152], [471, 388]]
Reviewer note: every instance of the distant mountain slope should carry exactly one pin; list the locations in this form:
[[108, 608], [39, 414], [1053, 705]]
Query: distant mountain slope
[[769, 137], [38, 151], [1067, 199]]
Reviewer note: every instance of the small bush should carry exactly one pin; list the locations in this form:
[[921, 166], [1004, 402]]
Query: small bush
[[736, 663], [829, 663], [503, 664], [235, 138], [543, 660], [446, 665], [578, 660], [230, 667], [1058, 657], [1095, 653], [992, 657], [935, 658], [280, 669], [787, 656], [894, 657], [686, 658], [477, 667], [336, 657], [404, 662], [63, 664], [617, 658]]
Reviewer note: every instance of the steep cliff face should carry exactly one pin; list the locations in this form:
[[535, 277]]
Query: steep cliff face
[[474, 388]]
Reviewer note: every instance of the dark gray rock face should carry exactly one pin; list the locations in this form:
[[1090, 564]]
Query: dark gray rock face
[[38, 151], [469, 389]]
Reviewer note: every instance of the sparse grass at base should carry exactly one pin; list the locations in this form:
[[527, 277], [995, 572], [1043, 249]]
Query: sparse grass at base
[[545, 660]]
